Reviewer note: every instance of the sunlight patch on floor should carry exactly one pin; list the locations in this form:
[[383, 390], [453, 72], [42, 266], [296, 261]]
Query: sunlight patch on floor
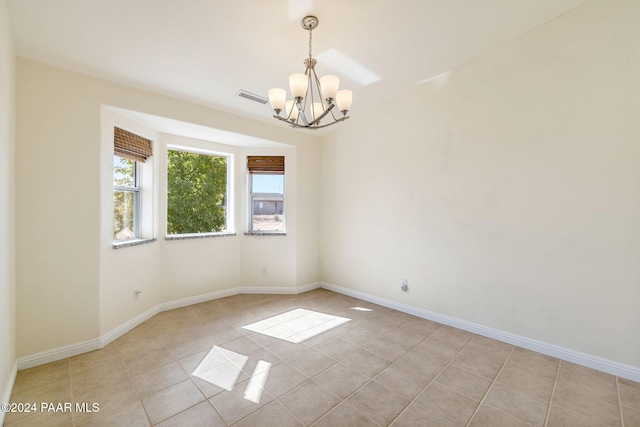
[[258, 379], [297, 325], [361, 309], [221, 367]]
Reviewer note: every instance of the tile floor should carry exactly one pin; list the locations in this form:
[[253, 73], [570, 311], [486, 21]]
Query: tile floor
[[381, 368]]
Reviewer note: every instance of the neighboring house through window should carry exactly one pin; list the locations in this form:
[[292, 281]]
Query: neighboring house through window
[[266, 194]]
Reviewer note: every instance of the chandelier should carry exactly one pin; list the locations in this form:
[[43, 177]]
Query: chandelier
[[313, 98]]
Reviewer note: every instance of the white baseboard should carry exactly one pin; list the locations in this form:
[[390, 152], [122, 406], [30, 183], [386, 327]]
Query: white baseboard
[[614, 368], [126, 327], [184, 302], [7, 388], [278, 290], [594, 362], [95, 344], [57, 354]]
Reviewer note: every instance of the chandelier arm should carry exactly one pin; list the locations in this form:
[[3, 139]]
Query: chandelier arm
[[330, 109], [294, 125], [327, 111], [282, 119], [301, 114], [332, 123], [316, 81], [312, 79], [289, 115]]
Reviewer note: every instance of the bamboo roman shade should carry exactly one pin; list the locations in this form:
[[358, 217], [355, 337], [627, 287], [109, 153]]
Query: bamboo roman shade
[[131, 146], [265, 164]]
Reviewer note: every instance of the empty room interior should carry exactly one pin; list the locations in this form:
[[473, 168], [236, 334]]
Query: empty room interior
[[324, 213]]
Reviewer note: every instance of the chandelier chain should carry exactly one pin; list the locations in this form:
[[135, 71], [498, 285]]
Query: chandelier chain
[[310, 32]]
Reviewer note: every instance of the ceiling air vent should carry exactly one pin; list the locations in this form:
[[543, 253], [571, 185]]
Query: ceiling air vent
[[252, 97]]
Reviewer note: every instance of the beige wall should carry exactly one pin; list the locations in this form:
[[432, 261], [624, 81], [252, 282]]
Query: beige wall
[[7, 203], [508, 192], [72, 286]]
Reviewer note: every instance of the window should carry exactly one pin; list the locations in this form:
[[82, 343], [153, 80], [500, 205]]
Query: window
[[130, 153], [126, 199], [266, 189], [197, 192]]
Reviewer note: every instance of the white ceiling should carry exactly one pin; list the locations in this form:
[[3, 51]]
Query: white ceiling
[[204, 51]]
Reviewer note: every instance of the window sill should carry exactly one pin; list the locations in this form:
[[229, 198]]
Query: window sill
[[265, 233], [198, 236], [133, 242]]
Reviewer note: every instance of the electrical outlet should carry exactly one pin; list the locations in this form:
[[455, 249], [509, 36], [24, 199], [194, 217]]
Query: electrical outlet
[[403, 286]]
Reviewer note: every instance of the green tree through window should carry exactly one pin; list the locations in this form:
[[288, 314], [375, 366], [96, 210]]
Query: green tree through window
[[196, 193], [125, 199]]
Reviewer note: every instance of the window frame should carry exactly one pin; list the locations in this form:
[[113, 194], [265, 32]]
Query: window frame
[[256, 197], [135, 190]]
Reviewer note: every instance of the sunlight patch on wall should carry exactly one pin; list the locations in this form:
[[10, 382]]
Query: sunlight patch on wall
[[297, 325], [347, 67], [439, 80]]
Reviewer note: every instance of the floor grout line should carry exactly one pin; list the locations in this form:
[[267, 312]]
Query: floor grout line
[[434, 377], [620, 401], [553, 391], [495, 379], [363, 347]]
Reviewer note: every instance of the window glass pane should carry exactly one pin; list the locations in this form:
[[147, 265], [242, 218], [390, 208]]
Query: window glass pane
[[268, 183], [124, 172], [196, 193], [124, 215], [268, 214]]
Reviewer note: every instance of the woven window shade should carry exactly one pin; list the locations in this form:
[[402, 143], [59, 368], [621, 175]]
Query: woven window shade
[[265, 164], [131, 146]]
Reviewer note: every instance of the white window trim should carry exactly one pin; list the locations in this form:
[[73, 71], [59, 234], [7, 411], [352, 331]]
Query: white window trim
[[229, 199]]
